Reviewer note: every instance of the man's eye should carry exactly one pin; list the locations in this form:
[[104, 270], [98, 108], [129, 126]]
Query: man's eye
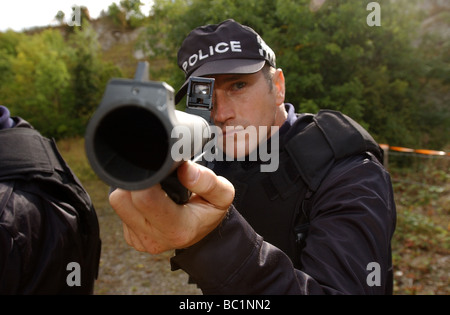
[[238, 85]]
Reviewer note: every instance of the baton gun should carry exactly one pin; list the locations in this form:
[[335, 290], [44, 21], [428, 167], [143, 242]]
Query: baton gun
[[129, 138]]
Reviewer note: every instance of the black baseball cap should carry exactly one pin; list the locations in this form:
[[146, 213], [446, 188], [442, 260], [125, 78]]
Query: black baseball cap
[[225, 48]]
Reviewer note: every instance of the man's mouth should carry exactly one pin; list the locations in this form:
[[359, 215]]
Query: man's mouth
[[230, 131]]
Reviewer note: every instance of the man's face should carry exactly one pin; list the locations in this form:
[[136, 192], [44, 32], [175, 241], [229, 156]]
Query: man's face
[[244, 102]]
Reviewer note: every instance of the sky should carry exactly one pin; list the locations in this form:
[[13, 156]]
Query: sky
[[22, 14]]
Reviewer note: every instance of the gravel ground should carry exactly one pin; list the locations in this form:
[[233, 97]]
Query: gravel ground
[[124, 270]]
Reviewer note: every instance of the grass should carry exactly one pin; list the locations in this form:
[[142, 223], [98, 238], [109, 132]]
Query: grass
[[421, 243]]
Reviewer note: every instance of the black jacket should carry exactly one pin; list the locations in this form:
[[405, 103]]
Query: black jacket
[[49, 233], [348, 248]]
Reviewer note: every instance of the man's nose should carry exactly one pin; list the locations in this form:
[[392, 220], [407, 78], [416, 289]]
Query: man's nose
[[222, 107]]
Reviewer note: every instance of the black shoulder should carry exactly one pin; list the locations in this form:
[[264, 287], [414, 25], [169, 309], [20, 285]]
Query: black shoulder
[[322, 139]]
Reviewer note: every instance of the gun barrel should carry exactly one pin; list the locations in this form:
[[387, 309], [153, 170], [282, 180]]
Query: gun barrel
[[129, 138]]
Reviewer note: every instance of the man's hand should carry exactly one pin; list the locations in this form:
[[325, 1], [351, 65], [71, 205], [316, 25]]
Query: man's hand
[[153, 223]]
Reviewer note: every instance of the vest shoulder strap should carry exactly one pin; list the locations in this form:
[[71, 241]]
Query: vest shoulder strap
[[331, 136], [24, 150], [351, 139]]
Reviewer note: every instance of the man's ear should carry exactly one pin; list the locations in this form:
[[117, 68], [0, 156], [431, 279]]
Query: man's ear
[[280, 88]]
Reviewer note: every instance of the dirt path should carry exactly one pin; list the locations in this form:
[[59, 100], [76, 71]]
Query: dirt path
[[124, 270]]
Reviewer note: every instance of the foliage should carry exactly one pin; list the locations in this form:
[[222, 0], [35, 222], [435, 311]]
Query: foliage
[[53, 83], [421, 243], [127, 14], [332, 59], [393, 78], [37, 76]]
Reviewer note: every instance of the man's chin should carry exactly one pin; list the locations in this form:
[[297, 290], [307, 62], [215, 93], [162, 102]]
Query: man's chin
[[236, 149]]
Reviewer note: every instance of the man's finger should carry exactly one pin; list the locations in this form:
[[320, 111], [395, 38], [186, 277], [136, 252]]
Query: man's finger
[[132, 239], [130, 206], [121, 202], [202, 181]]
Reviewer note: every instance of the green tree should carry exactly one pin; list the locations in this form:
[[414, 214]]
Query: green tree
[[116, 15], [60, 17], [331, 57], [39, 79], [55, 84], [89, 75], [8, 51], [133, 13], [127, 14]]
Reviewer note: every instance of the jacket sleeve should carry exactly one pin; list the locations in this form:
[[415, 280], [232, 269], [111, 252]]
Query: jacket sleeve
[[352, 221]]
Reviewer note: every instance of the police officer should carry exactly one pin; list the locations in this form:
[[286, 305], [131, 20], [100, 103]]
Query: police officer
[[49, 233], [321, 223]]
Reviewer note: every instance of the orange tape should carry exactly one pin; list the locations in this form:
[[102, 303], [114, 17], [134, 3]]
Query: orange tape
[[401, 149], [430, 152], [409, 150]]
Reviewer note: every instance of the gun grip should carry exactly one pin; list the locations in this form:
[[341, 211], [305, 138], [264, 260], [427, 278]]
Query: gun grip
[[177, 192]]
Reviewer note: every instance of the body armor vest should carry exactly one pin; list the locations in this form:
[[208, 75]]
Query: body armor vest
[[276, 204], [66, 229]]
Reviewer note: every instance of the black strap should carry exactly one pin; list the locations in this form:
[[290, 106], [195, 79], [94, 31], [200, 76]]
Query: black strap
[[24, 150], [312, 155], [331, 137], [351, 137]]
